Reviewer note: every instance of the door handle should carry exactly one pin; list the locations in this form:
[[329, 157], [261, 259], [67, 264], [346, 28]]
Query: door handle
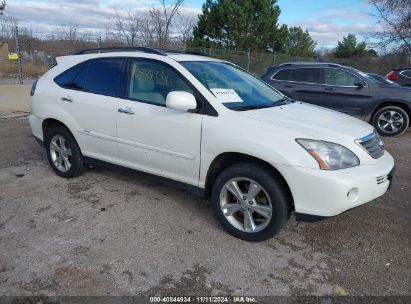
[[126, 110], [330, 89], [67, 98], [289, 86]]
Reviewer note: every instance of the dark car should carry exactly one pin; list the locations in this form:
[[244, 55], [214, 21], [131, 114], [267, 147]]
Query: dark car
[[382, 79], [347, 90], [402, 76]]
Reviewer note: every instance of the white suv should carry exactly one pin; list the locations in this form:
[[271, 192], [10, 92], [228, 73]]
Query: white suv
[[210, 124]]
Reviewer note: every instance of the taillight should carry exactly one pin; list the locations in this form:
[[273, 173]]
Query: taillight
[[392, 76], [33, 88]]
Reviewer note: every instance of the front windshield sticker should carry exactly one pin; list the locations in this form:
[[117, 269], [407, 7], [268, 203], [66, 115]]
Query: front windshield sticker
[[226, 95]]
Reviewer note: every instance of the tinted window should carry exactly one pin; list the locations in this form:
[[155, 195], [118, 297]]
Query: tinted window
[[311, 75], [79, 81], [151, 82], [339, 77], [282, 75], [103, 76], [64, 79]]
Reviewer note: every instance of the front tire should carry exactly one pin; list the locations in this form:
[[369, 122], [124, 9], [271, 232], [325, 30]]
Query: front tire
[[63, 152], [390, 121], [250, 202]]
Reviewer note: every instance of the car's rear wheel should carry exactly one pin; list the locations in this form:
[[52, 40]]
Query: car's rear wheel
[[250, 202], [390, 121], [63, 153]]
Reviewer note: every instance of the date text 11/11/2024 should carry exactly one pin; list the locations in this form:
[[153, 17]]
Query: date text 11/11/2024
[[203, 299]]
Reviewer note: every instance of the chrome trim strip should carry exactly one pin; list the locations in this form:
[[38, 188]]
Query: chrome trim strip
[[401, 73], [367, 137]]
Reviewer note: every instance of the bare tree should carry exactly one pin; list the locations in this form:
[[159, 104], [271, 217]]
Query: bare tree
[[395, 19], [184, 25], [161, 19], [68, 32], [152, 28], [7, 27], [126, 27]]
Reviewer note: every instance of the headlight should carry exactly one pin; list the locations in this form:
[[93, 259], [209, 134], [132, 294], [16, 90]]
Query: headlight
[[330, 156]]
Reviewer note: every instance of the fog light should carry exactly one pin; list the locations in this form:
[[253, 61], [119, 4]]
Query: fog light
[[352, 195]]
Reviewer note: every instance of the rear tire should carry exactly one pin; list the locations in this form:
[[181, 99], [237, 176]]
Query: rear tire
[[391, 121], [260, 207], [63, 152]]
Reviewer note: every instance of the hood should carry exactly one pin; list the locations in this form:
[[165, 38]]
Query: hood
[[403, 91], [312, 121]]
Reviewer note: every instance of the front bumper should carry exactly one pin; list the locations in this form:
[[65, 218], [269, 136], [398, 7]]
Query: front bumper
[[328, 193]]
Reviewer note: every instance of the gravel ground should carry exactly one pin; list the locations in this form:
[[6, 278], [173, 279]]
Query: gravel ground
[[120, 232]]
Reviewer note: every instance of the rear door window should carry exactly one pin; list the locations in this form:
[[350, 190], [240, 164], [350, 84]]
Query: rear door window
[[79, 81], [103, 76], [307, 75]]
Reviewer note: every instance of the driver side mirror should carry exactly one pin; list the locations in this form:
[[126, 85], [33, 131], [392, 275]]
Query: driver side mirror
[[360, 83], [181, 101]]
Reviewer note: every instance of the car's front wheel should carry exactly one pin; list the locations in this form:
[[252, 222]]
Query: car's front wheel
[[63, 153], [390, 121], [250, 202]]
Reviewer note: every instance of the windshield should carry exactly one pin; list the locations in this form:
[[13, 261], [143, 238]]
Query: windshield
[[368, 78], [235, 88], [382, 80]]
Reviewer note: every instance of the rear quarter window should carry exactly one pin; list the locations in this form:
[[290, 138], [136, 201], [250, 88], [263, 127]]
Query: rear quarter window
[[65, 79], [282, 74]]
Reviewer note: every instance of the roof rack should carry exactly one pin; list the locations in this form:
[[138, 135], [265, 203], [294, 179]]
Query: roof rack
[[310, 63], [199, 53], [120, 49]]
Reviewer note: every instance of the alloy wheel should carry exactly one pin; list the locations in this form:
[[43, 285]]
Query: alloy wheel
[[390, 121], [246, 204], [60, 153]]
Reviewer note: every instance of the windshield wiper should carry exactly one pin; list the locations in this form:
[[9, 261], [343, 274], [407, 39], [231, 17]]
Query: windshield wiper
[[255, 107]]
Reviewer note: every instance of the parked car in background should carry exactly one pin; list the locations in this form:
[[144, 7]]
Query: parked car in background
[[345, 89], [210, 124], [402, 76], [382, 79]]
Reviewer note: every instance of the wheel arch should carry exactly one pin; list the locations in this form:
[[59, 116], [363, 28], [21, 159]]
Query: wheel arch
[[396, 103], [54, 122], [227, 159]]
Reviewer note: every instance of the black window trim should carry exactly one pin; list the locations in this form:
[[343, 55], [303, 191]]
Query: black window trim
[[83, 64], [204, 107], [322, 84]]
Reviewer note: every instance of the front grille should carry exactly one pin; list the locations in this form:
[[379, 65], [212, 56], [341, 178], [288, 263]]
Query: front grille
[[381, 179], [373, 144]]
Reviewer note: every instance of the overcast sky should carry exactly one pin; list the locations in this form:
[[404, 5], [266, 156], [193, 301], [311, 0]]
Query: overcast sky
[[326, 20]]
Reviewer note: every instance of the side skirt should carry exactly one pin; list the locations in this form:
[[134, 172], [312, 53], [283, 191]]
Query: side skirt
[[92, 162]]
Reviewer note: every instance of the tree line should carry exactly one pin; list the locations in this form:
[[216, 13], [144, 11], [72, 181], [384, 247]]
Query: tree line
[[247, 25]]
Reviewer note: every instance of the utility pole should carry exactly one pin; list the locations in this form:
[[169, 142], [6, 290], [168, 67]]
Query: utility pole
[[19, 63]]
